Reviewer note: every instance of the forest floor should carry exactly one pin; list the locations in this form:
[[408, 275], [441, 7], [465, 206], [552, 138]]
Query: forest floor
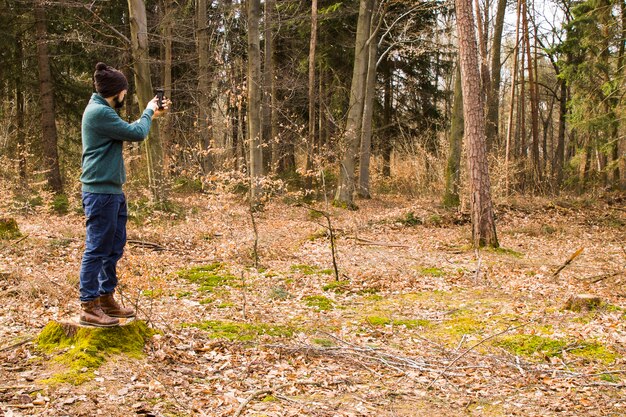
[[418, 323]]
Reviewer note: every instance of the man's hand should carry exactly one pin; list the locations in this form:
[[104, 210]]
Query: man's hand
[[154, 105]]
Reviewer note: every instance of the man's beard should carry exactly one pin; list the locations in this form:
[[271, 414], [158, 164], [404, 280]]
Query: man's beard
[[118, 103]]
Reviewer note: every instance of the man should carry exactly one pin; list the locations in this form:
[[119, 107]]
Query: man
[[103, 173]]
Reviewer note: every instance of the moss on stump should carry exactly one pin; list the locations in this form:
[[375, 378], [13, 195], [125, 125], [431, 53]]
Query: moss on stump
[[81, 350], [9, 229], [582, 302]]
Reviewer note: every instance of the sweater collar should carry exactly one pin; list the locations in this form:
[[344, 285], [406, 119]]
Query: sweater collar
[[97, 98]]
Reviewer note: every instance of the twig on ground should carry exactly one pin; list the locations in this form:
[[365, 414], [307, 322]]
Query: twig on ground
[[255, 248], [251, 397], [144, 244], [367, 242], [508, 329], [569, 261], [332, 237], [602, 277], [243, 289], [13, 243], [16, 345], [477, 274]]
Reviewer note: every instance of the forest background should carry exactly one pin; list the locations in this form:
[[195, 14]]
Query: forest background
[[313, 225]]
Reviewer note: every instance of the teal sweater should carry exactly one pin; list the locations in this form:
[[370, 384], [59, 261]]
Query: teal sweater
[[103, 133]]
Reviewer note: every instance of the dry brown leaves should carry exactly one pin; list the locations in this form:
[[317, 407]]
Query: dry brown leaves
[[409, 334]]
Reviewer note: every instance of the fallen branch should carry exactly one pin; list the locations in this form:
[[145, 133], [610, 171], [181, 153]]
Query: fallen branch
[[251, 397], [13, 243], [508, 329], [16, 345], [145, 244], [602, 277], [269, 391], [374, 243], [332, 237], [569, 261]]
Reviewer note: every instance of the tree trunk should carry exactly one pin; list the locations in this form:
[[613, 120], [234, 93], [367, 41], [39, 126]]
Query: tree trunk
[[352, 134], [312, 96], [168, 23], [493, 94], [453, 169], [368, 114], [483, 224], [268, 89], [143, 85], [46, 89], [483, 35], [534, 108], [387, 142], [19, 113], [509, 133], [254, 85], [204, 86]]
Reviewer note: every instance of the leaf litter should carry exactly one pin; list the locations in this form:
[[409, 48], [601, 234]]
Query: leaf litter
[[419, 323]]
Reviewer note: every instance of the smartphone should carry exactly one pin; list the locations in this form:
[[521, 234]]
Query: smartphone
[[159, 94]]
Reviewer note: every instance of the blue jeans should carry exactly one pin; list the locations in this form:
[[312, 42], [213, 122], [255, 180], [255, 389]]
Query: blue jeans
[[104, 244]]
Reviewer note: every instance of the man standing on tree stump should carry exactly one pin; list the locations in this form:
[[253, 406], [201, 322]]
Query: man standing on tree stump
[[103, 174]]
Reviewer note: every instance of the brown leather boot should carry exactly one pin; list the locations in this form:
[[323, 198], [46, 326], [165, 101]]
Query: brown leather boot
[[112, 307], [92, 315]]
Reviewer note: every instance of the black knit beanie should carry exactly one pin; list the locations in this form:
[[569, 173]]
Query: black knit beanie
[[108, 81]]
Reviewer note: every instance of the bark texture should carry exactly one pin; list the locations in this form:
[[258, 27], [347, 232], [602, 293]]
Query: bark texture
[[483, 224], [145, 93], [46, 91], [368, 113], [352, 134], [254, 100]]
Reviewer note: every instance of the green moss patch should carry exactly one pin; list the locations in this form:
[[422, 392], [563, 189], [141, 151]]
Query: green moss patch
[[9, 229], [410, 219], [208, 276], [337, 286], [504, 251], [319, 302], [385, 321], [432, 272], [324, 342], [310, 270], [60, 204], [240, 331], [83, 349], [533, 345]]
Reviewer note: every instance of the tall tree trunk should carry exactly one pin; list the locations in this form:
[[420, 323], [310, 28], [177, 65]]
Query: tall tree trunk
[[483, 223], [559, 155], [453, 168], [145, 93], [368, 114], [268, 89], [312, 96], [204, 86], [352, 134], [483, 35], [523, 149], [534, 108], [387, 141], [493, 95], [46, 90], [168, 23], [254, 100], [509, 133], [19, 112]]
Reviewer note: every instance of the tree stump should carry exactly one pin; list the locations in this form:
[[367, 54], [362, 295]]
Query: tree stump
[[9, 229], [83, 349], [583, 302]]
